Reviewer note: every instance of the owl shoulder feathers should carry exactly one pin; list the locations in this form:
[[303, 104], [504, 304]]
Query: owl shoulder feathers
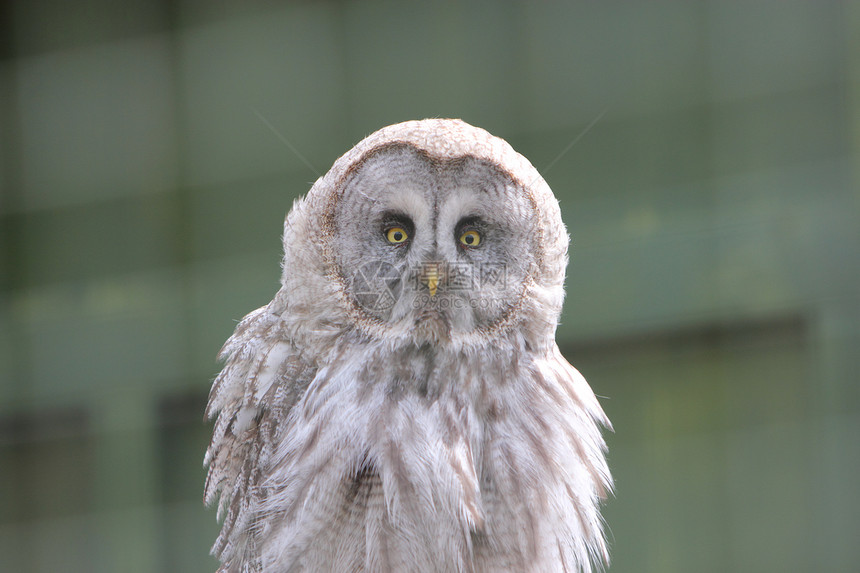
[[264, 376]]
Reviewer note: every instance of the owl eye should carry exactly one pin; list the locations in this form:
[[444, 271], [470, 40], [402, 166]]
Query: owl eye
[[396, 235], [470, 238]]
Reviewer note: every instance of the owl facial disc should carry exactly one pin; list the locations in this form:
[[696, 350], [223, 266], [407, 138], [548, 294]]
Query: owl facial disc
[[436, 247]]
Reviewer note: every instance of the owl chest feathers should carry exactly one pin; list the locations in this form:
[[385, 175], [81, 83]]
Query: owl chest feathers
[[422, 459]]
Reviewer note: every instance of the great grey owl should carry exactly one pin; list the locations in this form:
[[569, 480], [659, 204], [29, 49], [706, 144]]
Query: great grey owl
[[401, 405]]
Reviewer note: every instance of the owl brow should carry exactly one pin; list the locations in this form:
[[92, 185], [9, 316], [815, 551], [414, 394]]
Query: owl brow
[[391, 218], [469, 221]]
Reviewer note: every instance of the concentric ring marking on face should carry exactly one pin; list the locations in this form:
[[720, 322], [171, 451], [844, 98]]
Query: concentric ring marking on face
[[432, 197]]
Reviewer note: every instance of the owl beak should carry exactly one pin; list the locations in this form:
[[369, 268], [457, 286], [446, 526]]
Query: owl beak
[[433, 281], [431, 276]]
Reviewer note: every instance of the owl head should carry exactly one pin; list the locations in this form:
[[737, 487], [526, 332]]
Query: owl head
[[430, 231]]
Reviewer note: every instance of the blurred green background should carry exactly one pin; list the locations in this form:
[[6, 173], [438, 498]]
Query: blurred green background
[[713, 291]]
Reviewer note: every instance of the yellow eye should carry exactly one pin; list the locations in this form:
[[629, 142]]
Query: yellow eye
[[470, 238], [396, 235]]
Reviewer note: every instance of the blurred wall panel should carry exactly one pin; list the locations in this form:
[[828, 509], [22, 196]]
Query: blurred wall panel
[[705, 156]]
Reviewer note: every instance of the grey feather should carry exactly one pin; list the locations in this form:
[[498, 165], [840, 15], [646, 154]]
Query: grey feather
[[440, 431]]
